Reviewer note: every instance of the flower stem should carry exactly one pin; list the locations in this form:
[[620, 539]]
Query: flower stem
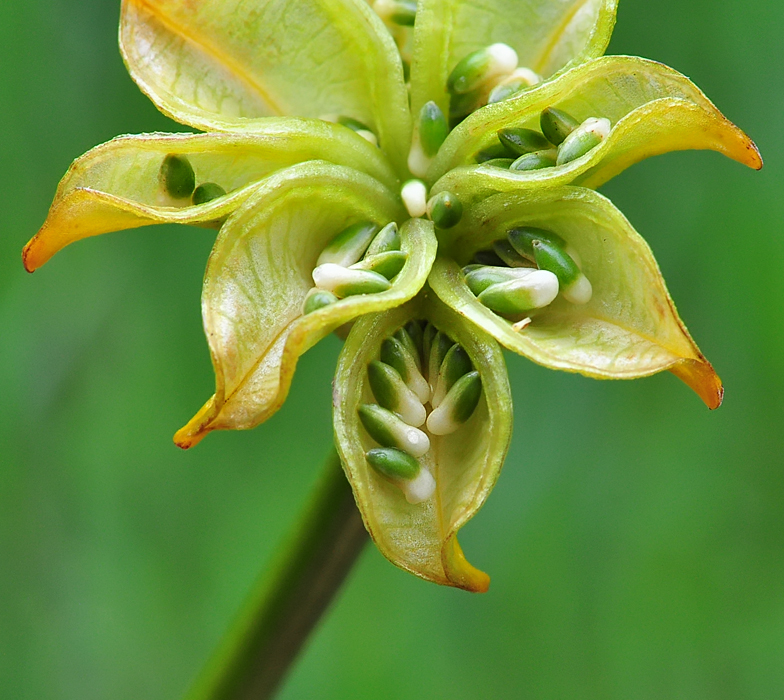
[[289, 600]]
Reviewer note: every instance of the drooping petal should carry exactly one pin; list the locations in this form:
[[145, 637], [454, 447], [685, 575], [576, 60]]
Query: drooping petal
[[116, 186], [546, 34], [653, 109], [629, 328], [212, 64], [260, 271], [422, 538]]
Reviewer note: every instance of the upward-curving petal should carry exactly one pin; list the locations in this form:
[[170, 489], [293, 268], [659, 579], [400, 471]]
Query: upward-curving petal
[[213, 63], [629, 328], [548, 35], [260, 272], [116, 186]]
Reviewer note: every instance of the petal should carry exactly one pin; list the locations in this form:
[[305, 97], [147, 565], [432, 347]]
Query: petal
[[214, 63], [653, 110], [422, 538], [115, 186], [547, 36], [630, 327], [260, 271]]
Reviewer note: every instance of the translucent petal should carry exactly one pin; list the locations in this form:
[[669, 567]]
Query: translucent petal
[[215, 63], [423, 538], [653, 110], [115, 186], [547, 35], [260, 271], [630, 327]]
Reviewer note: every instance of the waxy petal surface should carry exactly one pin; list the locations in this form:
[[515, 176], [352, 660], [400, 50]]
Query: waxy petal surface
[[422, 538], [653, 109], [547, 35], [115, 186], [212, 64], [630, 327], [260, 271]]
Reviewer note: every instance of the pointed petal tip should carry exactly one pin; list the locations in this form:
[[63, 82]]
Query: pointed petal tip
[[196, 429], [701, 377], [28, 256], [461, 574]]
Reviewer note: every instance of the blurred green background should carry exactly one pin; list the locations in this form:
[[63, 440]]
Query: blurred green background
[[635, 540]]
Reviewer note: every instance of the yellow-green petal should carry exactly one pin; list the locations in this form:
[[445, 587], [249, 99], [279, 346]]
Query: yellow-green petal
[[216, 63], [260, 272], [115, 186], [422, 538], [653, 109], [629, 328]]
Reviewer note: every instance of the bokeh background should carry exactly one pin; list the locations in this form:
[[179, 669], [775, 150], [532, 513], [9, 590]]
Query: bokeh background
[[635, 540]]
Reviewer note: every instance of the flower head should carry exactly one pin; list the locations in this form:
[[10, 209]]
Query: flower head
[[419, 176]]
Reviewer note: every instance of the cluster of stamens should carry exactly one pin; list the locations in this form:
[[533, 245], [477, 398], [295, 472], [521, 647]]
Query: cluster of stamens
[[362, 259], [526, 271], [178, 183], [424, 385]]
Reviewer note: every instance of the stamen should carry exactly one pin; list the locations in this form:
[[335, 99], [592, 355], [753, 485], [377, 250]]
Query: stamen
[[439, 347], [504, 250], [177, 177], [388, 264], [504, 163], [535, 161], [520, 79], [392, 393], [402, 12], [484, 276], [445, 210], [479, 68], [515, 297], [520, 141], [492, 152], [456, 363], [458, 405], [344, 282], [349, 245], [557, 125], [317, 299], [387, 239], [414, 196], [416, 482], [433, 128], [389, 431], [397, 356], [206, 193], [583, 139], [408, 342], [574, 284]]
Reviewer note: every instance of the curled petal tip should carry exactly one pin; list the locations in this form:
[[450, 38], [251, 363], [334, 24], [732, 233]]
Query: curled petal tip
[[28, 256], [196, 429], [461, 573], [701, 377]]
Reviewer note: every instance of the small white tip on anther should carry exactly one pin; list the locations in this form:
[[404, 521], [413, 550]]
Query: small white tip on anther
[[414, 196], [420, 488]]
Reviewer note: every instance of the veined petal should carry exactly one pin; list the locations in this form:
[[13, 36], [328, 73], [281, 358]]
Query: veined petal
[[115, 186], [215, 63], [547, 35], [628, 329], [653, 109], [422, 537], [260, 272]]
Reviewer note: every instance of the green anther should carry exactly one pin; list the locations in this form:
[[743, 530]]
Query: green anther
[[488, 257], [460, 106], [519, 296], [492, 152], [393, 464], [388, 264], [392, 393], [387, 239], [483, 276], [361, 282], [397, 355], [349, 245], [535, 161], [554, 258], [404, 13], [404, 337], [520, 141], [207, 192], [456, 363], [504, 250], [388, 430], [177, 177], [445, 210], [433, 128], [522, 239], [583, 139], [317, 299], [557, 125], [416, 333], [439, 347], [458, 405], [504, 163], [353, 124], [428, 334], [505, 91], [479, 67]]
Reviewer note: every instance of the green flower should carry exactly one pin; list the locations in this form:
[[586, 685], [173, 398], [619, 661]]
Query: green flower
[[421, 179]]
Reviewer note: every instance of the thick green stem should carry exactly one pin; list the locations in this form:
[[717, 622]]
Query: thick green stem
[[288, 602]]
